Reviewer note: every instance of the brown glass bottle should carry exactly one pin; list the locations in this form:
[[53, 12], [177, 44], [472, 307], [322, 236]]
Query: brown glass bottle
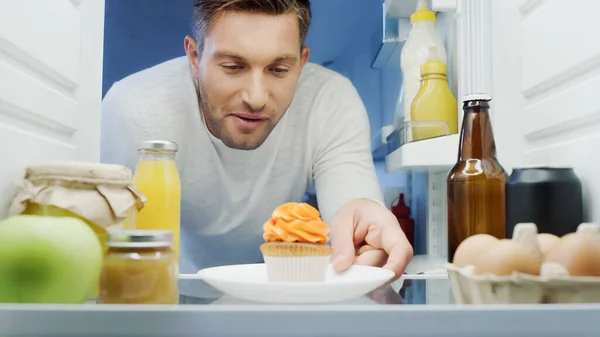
[[476, 183]]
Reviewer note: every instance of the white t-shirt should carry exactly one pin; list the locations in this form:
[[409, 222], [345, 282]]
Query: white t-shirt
[[322, 141]]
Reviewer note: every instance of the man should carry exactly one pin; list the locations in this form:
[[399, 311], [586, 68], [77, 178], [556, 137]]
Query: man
[[257, 126]]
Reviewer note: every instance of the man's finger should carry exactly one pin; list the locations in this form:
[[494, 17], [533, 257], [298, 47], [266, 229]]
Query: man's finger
[[365, 248], [397, 247], [342, 241], [372, 257]]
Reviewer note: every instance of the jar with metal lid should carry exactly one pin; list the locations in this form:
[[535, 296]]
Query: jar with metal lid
[[140, 267], [102, 195]]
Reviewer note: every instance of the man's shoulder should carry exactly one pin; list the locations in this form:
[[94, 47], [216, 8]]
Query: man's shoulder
[[154, 102], [316, 76], [162, 80], [319, 85]]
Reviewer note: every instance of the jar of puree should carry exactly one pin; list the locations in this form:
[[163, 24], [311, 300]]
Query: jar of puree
[[102, 195], [140, 267]]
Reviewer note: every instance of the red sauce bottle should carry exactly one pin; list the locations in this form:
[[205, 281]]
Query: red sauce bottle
[[402, 213]]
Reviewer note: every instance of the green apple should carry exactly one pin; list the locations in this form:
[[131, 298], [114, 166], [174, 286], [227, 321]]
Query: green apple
[[48, 260]]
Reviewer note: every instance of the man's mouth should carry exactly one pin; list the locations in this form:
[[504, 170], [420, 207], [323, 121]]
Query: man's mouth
[[249, 122], [250, 117]]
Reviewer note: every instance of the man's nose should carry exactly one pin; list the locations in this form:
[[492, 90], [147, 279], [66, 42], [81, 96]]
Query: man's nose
[[256, 94]]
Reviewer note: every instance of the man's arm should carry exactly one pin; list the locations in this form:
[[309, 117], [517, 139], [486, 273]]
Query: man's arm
[[342, 163], [120, 131], [345, 177]]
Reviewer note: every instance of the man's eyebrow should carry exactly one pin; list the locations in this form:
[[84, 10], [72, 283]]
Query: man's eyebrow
[[231, 55], [285, 57], [236, 56]]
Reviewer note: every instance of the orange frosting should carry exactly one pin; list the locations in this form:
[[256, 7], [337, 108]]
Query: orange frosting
[[296, 222]]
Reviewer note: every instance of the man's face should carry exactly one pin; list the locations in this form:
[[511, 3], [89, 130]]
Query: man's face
[[247, 74]]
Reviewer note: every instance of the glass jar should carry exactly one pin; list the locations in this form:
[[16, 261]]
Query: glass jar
[[140, 267], [102, 195], [157, 177]]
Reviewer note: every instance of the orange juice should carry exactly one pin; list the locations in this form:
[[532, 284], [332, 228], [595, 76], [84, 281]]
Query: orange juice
[[157, 178]]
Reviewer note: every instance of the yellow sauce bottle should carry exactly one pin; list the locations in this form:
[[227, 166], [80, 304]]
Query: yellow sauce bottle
[[434, 102], [157, 178]]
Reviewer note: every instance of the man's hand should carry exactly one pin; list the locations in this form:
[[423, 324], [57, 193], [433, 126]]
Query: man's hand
[[366, 233]]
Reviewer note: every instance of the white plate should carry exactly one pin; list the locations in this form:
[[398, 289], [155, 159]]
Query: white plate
[[230, 300], [249, 282]]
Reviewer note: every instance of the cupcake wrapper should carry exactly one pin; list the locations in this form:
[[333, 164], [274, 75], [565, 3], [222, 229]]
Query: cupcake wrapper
[[296, 268], [293, 249]]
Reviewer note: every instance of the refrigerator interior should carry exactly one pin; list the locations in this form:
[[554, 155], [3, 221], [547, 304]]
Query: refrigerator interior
[[542, 77], [546, 76]]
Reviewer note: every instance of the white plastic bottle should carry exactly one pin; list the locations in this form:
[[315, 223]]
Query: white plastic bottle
[[422, 37]]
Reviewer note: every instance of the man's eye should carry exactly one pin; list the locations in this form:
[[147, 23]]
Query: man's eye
[[279, 70], [232, 67]]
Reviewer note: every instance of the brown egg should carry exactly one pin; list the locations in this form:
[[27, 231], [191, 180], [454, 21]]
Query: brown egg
[[578, 253], [506, 257], [470, 248], [546, 241]]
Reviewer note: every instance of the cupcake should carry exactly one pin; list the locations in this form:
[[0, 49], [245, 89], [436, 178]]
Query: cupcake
[[295, 248]]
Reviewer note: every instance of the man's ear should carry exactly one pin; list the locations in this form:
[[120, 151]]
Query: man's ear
[[304, 56], [191, 50]]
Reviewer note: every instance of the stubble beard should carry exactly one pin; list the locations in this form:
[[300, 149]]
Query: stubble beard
[[216, 128]]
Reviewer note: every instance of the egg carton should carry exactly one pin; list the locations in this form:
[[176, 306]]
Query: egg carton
[[469, 288], [553, 285]]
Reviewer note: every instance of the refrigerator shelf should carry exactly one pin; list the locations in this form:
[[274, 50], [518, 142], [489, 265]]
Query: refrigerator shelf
[[322, 321], [435, 155]]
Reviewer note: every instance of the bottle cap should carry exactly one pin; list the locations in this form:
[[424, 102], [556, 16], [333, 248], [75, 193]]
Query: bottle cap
[[433, 67], [422, 13], [477, 97], [139, 238], [401, 210], [163, 145]]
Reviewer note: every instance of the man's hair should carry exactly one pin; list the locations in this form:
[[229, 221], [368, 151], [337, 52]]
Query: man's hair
[[206, 12]]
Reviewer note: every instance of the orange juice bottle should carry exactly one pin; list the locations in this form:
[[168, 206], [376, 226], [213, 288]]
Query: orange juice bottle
[[157, 178]]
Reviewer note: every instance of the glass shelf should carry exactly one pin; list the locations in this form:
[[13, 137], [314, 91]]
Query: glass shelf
[[420, 308]]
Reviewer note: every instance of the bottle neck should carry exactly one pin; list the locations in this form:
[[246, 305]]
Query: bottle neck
[[476, 136], [157, 155], [430, 78]]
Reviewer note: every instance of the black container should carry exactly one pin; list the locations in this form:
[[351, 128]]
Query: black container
[[550, 197]]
